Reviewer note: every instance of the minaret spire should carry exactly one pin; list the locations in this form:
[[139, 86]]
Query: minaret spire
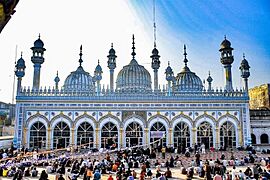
[[133, 47], [80, 60], [154, 23], [185, 56]]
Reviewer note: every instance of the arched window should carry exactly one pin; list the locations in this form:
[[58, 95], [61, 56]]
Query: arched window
[[61, 135], [181, 136], [109, 135], [37, 135], [205, 134], [227, 135], [264, 139], [134, 134], [158, 132], [253, 139], [85, 135]]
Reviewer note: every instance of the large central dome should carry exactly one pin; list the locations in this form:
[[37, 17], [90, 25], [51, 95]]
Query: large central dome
[[133, 77]]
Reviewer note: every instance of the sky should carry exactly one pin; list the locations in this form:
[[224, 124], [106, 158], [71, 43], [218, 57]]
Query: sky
[[64, 25]]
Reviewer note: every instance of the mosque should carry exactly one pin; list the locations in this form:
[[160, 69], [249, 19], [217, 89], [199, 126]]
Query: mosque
[[131, 110]]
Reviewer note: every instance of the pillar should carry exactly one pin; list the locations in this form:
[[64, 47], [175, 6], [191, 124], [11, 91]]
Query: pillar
[[170, 137], [97, 141], [120, 138], [194, 130], [217, 138], [49, 138], [72, 136], [25, 130], [240, 138], [146, 136]]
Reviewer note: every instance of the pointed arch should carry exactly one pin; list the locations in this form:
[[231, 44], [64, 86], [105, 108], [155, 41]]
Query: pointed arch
[[230, 116], [137, 135], [86, 116], [138, 119], [61, 116], [164, 118], [205, 116], [181, 116], [37, 115], [110, 116]]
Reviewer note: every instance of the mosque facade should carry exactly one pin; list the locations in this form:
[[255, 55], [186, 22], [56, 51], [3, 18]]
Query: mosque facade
[[131, 110]]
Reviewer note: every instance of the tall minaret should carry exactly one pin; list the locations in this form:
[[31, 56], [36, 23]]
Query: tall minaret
[[98, 76], [227, 59], [19, 72], [37, 59], [155, 57], [56, 80], [244, 68], [111, 65]]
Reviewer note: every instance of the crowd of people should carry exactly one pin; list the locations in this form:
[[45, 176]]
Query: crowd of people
[[131, 163]]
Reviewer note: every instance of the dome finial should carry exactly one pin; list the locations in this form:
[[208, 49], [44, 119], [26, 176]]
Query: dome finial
[[133, 47], [185, 55], [21, 54], [38, 35], [244, 57], [112, 45], [98, 61], [168, 63], [80, 60], [225, 37]]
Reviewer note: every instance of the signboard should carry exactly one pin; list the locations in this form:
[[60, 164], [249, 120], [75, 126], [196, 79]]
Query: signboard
[[157, 134]]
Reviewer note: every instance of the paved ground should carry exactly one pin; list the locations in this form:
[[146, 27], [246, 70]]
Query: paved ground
[[175, 171]]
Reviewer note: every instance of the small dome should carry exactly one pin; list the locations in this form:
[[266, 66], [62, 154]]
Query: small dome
[[79, 80], [155, 51], [112, 51], [38, 43], [20, 63], [98, 68], [133, 78], [57, 79], [209, 79], [225, 44], [244, 63]]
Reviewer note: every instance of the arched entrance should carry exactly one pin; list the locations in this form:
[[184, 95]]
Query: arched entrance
[[227, 135], [85, 135], [158, 132], [134, 134], [37, 135], [264, 139], [205, 135], [181, 135], [109, 135], [61, 135], [253, 139]]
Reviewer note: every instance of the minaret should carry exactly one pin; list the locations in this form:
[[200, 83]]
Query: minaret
[[209, 80], [20, 72], [56, 80], [169, 77], [244, 68], [98, 76], [227, 59], [37, 59], [155, 57], [111, 65]]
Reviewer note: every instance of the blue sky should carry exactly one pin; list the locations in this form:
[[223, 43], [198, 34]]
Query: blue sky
[[201, 25]]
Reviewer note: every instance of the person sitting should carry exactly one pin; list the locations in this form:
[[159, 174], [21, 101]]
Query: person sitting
[[43, 175], [27, 172]]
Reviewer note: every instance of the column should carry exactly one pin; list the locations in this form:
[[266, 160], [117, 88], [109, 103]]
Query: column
[[25, 142], [72, 136], [97, 142], [49, 138], [170, 137], [194, 130], [217, 138], [240, 134], [120, 138], [146, 134]]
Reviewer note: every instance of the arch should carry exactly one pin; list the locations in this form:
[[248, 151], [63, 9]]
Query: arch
[[206, 117], [86, 116], [137, 118], [159, 119], [228, 115], [55, 121], [29, 120], [113, 120], [164, 118], [128, 122], [32, 120], [82, 119], [181, 116], [109, 116], [264, 139], [253, 139], [56, 118], [213, 125], [62, 135], [227, 118]]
